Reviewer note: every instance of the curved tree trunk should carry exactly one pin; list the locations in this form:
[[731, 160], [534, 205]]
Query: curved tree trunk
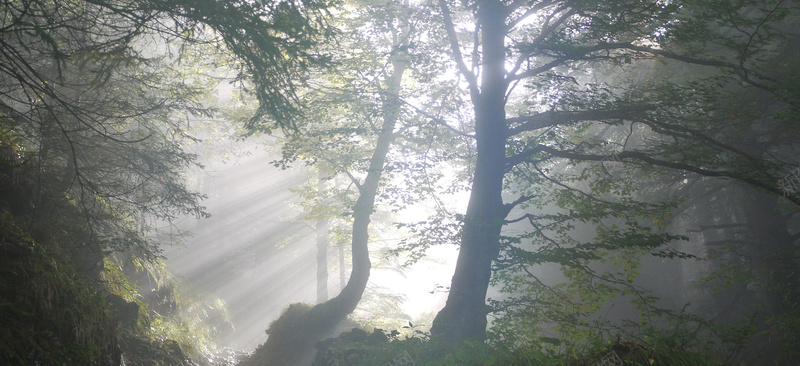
[[292, 337]]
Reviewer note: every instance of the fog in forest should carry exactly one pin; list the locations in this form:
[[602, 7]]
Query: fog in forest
[[381, 182], [257, 255]]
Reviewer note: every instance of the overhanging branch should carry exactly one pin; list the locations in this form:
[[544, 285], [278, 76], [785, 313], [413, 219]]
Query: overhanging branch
[[553, 118], [640, 156]]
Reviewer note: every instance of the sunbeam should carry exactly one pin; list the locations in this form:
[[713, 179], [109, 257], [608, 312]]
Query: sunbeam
[[256, 255]]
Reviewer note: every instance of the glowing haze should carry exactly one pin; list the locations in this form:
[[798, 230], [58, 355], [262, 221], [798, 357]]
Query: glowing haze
[[256, 255]]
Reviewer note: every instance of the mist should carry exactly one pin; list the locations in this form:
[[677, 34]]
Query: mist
[[257, 254], [275, 183]]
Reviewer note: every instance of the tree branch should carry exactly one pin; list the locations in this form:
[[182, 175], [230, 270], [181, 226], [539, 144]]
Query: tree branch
[[640, 156], [456, 49], [553, 118]]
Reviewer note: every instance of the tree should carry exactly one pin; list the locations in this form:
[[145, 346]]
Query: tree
[[96, 108], [552, 48], [87, 95], [353, 115]]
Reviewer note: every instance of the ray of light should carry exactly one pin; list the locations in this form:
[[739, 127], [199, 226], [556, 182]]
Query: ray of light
[[256, 256]]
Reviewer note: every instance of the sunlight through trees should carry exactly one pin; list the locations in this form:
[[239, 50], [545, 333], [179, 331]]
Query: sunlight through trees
[[619, 179]]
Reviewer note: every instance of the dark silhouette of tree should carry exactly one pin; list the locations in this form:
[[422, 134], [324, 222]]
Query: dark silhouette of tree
[[98, 100], [539, 57], [95, 93]]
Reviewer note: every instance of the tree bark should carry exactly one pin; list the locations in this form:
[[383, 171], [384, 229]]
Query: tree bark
[[464, 314]]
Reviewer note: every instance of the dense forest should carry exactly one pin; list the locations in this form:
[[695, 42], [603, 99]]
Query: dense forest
[[618, 179]]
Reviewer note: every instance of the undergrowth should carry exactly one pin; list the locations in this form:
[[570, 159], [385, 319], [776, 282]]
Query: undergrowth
[[173, 322], [50, 314], [358, 347]]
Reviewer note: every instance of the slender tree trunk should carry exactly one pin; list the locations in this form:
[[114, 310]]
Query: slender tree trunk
[[342, 278], [321, 231], [292, 343], [464, 314], [322, 260]]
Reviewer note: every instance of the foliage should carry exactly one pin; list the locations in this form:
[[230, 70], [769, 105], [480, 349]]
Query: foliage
[[349, 135], [51, 315], [772, 314], [98, 100], [102, 129], [592, 168], [591, 227], [101, 96], [66, 302], [358, 347], [172, 321], [593, 164], [661, 347]]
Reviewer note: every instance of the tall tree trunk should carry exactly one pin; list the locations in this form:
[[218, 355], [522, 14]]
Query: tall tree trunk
[[321, 231], [322, 260], [464, 315], [292, 337], [342, 278]]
